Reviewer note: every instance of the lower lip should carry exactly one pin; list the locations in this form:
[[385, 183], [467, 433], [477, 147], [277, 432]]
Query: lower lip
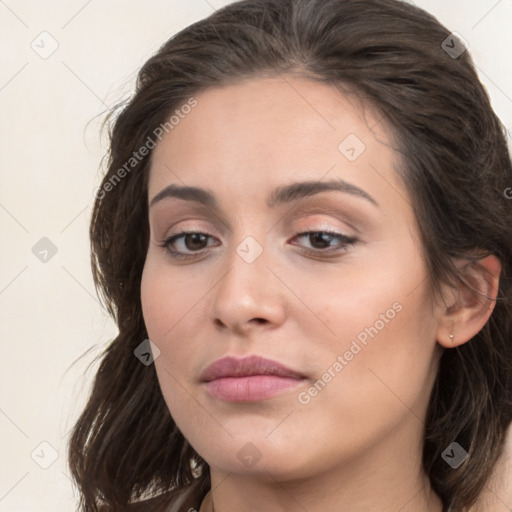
[[250, 389]]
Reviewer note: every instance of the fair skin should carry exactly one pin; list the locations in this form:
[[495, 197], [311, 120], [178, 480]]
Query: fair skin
[[355, 445]]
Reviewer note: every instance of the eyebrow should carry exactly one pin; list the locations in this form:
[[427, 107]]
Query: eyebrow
[[280, 195]]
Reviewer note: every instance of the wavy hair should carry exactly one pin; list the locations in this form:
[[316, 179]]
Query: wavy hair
[[456, 167]]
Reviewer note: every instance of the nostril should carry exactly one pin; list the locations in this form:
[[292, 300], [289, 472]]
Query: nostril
[[219, 323]]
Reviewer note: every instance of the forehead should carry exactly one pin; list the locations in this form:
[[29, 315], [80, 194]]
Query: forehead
[[264, 132]]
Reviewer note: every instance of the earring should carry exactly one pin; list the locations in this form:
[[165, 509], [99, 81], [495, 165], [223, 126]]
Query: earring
[[451, 338]]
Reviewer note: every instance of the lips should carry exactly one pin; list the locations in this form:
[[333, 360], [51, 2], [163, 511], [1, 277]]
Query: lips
[[249, 379], [246, 367]]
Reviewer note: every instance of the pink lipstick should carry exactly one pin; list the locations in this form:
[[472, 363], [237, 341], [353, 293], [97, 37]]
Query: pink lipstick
[[248, 379]]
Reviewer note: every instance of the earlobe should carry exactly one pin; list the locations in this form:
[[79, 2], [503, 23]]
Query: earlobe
[[472, 302]]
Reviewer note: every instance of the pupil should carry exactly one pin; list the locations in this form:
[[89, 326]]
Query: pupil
[[197, 240], [323, 238]]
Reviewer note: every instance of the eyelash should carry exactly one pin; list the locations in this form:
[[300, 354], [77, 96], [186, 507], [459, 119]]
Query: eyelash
[[345, 240]]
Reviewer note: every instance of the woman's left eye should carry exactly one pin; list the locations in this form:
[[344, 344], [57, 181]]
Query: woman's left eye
[[319, 240], [326, 239]]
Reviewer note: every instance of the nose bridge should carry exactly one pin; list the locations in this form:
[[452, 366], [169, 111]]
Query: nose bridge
[[248, 289], [246, 263]]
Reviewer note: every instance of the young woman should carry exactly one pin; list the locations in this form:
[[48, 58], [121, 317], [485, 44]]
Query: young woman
[[305, 239]]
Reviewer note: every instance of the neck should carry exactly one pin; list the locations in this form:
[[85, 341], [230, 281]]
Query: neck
[[386, 479], [241, 495]]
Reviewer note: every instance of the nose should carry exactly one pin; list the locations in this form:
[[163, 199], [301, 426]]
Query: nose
[[249, 294]]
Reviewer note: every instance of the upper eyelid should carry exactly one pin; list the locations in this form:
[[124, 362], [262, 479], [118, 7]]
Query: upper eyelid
[[355, 220], [297, 232], [285, 221]]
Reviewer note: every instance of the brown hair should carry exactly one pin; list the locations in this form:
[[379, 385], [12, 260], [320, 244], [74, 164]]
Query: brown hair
[[456, 167]]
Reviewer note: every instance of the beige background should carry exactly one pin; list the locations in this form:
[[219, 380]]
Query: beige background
[[49, 160]]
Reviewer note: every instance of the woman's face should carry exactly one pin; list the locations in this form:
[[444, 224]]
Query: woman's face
[[349, 313]]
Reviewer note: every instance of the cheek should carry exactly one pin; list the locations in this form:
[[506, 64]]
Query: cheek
[[167, 304], [173, 312], [167, 300], [375, 354], [381, 366]]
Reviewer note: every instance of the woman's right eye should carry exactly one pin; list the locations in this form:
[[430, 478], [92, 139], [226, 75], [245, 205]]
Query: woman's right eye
[[187, 240]]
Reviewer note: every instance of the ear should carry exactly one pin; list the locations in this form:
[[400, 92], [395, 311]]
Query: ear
[[468, 307]]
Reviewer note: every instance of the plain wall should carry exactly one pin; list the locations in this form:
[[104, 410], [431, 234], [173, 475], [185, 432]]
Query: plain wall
[[49, 160]]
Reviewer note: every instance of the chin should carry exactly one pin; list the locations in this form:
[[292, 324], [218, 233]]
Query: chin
[[256, 456]]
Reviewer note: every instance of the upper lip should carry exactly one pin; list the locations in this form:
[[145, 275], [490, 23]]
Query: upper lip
[[230, 366]]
